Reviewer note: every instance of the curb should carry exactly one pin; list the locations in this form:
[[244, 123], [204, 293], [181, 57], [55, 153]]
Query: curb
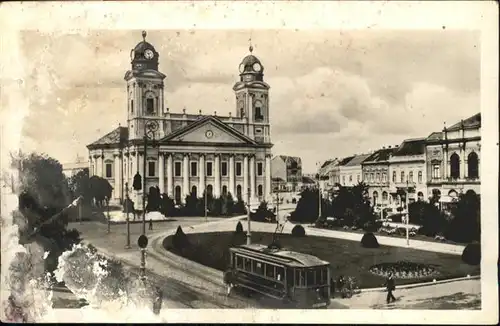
[[417, 285]]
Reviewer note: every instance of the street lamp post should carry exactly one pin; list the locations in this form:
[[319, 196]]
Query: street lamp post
[[407, 216], [127, 200], [150, 128], [249, 239], [107, 212]]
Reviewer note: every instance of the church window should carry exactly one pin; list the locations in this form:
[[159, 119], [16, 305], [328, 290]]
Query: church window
[[402, 176], [224, 169], [209, 169], [238, 169], [109, 169], [454, 166], [473, 166], [419, 177], [394, 176], [194, 169], [150, 106], [259, 191], [132, 106], [151, 169], [258, 113], [259, 169], [177, 169]]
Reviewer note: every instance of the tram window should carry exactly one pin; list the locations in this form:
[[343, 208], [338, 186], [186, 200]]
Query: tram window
[[270, 272], [299, 278], [310, 277], [280, 272], [247, 263], [257, 267], [239, 261]]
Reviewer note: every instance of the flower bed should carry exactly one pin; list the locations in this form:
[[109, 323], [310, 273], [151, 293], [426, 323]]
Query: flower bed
[[404, 270]]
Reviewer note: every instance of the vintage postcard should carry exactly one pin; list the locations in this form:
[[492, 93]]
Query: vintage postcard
[[252, 162]]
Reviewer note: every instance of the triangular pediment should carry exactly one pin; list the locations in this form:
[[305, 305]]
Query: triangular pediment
[[209, 130]]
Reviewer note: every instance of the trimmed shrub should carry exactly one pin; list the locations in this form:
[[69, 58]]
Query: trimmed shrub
[[239, 228], [298, 231], [369, 241], [180, 240], [472, 254]]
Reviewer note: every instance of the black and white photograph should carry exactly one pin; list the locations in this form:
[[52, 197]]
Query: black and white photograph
[[259, 162]]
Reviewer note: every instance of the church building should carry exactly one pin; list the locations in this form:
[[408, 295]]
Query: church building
[[187, 153]]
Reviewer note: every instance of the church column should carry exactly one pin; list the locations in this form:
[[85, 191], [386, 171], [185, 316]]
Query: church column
[[231, 175], [117, 176], [245, 177], [102, 164], [217, 176], [161, 173], [91, 166], [97, 159], [252, 176], [185, 177], [170, 179], [201, 165], [268, 178]]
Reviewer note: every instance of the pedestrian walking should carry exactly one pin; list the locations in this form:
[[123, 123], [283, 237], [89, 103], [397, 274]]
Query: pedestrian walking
[[150, 224], [332, 287], [390, 288], [340, 286], [229, 280]]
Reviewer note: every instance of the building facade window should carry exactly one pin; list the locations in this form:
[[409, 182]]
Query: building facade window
[[224, 190], [378, 177], [454, 166], [132, 106], [394, 176], [151, 169], [343, 180], [209, 169], [194, 169], [472, 166], [260, 170], [384, 177], [402, 176], [410, 176], [223, 168], [419, 176], [150, 106], [109, 170], [260, 192], [177, 194], [436, 171], [350, 178], [359, 178], [239, 170], [178, 169]]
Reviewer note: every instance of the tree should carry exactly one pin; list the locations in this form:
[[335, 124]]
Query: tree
[[100, 189], [227, 204], [79, 185], [44, 196], [466, 223], [308, 207], [262, 214], [154, 200], [167, 206]]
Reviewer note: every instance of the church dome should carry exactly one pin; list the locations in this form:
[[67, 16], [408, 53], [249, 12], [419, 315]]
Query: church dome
[[251, 64]]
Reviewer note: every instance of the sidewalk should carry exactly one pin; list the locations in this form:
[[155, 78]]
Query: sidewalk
[[390, 241]]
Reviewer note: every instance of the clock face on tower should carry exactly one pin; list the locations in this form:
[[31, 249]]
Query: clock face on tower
[[209, 133], [148, 54], [257, 67]]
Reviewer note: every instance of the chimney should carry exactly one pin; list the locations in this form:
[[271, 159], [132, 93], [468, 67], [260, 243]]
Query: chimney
[[383, 147], [390, 146]]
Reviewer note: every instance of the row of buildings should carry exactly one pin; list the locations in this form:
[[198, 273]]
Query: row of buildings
[[441, 165]]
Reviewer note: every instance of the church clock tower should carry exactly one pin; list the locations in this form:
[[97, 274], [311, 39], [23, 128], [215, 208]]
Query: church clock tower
[[145, 90], [252, 98]]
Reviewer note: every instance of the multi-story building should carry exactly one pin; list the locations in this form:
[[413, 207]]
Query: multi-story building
[[70, 169], [407, 172], [286, 172], [376, 176], [324, 174], [351, 172], [193, 153], [453, 160], [336, 171]]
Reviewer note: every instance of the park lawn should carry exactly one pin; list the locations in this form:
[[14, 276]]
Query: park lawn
[[346, 257]]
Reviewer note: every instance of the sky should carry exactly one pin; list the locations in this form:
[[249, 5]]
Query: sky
[[333, 93]]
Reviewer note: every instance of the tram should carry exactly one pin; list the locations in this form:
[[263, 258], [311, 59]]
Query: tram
[[297, 279]]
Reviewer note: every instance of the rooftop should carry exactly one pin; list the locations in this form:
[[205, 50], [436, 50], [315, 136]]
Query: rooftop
[[291, 256], [345, 160], [381, 155], [116, 136], [411, 147], [357, 160], [435, 136], [469, 123]]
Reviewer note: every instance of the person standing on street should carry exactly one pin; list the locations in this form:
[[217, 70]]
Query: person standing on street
[[390, 287], [229, 280], [150, 224]]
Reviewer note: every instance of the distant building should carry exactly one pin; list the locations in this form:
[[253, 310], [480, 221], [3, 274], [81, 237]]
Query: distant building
[[324, 173], [407, 172], [351, 172], [453, 160], [376, 175], [286, 173], [70, 169], [336, 174]]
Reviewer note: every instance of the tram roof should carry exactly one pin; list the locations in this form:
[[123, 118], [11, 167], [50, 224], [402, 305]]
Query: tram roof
[[292, 258]]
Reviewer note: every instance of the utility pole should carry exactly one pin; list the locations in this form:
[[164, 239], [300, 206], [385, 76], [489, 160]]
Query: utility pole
[[144, 162], [278, 204], [206, 198], [249, 240], [109, 218]]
